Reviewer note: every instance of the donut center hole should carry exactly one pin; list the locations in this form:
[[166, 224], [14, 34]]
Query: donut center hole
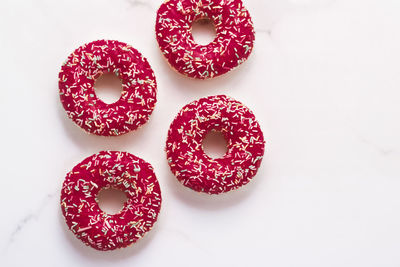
[[215, 144], [203, 31], [111, 200], [108, 87]]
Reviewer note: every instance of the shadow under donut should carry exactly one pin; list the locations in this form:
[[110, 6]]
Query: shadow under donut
[[206, 201], [111, 255], [225, 83]]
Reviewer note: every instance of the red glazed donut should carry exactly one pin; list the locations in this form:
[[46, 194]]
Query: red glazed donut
[[193, 167], [122, 171], [85, 65], [232, 45]]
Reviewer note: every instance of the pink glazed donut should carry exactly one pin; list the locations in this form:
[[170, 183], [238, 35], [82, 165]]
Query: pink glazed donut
[[231, 47], [122, 171], [193, 167], [76, 83]]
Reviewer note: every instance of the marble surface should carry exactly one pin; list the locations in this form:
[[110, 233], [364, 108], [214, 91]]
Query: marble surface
[[324, 83]]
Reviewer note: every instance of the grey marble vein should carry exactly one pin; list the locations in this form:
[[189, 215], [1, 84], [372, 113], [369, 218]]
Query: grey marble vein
[[381, 150], [268, 32], [28, 218], [141, 3]]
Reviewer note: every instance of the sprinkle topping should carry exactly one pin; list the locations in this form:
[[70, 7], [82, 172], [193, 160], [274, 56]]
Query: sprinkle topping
[[193, 167], [231, 47], [76, 84], [119, 170]]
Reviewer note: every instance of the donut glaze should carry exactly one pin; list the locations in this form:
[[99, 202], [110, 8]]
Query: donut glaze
[[231, 47], [245, 140], [77, 94], [119, 170]]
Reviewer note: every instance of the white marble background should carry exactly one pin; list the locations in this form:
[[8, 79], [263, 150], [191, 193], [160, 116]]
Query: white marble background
[[323, 81]]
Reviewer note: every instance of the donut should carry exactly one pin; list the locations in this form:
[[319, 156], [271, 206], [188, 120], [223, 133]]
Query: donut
[[119, 170], [76, 83], [245, 145], [231, 47]]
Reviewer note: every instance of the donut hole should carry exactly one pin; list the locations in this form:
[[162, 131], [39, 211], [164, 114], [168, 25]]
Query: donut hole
[[203, 31], [215, 144], [111, 200], [108, 87]]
